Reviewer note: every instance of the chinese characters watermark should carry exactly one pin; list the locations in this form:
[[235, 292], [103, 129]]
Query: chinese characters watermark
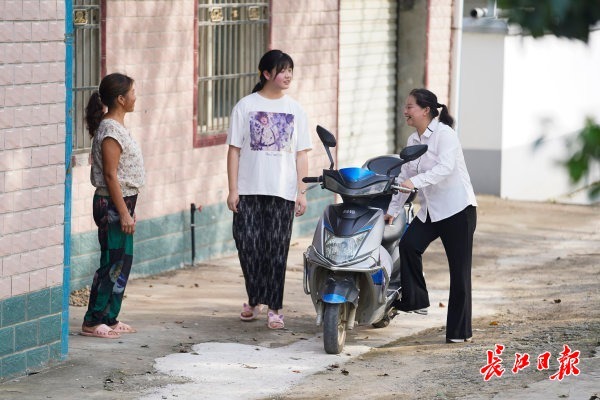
[[568, 361]]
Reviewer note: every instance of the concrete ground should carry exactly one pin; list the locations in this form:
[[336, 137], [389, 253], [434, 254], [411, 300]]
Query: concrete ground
[[193, 312]]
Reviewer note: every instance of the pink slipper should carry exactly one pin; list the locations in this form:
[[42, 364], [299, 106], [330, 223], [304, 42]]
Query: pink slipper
[[275, 321], [121, 327], [250, 313], [101, 331]]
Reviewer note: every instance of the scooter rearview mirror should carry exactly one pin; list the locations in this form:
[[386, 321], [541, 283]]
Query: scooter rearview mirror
[[326, 137], [410, 153], [328, 141]]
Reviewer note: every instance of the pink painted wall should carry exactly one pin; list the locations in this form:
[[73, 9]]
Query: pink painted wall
[[153, 42], [439, 48], [32, 168]]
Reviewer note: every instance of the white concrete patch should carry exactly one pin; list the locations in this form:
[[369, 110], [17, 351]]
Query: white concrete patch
[[237, 371]]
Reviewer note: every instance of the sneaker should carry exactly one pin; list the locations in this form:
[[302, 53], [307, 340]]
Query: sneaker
[[467, 340], [422, 311]]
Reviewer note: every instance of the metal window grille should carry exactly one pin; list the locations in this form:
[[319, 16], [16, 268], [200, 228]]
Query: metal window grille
[[86, 65], [232, 36]]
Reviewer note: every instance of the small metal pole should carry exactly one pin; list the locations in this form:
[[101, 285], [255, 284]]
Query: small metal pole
[[193, 226]]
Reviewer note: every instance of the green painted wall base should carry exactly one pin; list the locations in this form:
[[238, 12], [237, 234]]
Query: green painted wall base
[[30, 331], [164, 244]]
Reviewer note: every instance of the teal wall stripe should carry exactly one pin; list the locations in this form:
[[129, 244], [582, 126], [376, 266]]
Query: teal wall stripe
[[7, 341], [30, 331], [14, 310], [164, 244]]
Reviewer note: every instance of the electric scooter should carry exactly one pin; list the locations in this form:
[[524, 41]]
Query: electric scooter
[[354, 253]]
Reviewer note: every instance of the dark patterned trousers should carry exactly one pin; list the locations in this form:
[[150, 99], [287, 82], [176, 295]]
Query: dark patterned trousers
[[262, 230], [116, 257]]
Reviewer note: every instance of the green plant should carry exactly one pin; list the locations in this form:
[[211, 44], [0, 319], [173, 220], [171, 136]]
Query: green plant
[[585, 152], [572, 19]]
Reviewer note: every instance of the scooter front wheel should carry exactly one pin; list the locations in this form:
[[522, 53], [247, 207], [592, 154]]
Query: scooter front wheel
[[334, 327]]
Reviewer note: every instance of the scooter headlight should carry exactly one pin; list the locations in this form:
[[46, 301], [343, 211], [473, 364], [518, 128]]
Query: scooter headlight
[[342, 249]]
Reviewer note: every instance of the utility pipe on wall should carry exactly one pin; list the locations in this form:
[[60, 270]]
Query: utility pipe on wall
[[456, 34], [64, 348], [193, 210]]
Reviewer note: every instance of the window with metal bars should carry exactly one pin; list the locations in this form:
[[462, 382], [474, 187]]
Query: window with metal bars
[[232, 37], [86, 66]]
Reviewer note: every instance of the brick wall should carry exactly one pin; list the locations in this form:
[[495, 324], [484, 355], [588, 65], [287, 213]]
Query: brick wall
[[308, 31], [32, 175], [439, 49], [153, 42]]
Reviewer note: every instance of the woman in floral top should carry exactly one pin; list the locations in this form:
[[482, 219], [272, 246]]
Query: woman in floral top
[[118, 174]]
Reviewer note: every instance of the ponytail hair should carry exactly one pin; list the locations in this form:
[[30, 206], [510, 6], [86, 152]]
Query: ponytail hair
[[272, 59], [94, 112], [425, 98], [111, 87]]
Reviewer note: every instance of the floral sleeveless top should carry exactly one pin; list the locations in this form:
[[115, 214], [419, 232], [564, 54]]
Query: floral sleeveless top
[[130, 170]]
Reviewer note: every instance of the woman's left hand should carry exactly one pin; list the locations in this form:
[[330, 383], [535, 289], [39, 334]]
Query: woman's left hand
[[300, 204]]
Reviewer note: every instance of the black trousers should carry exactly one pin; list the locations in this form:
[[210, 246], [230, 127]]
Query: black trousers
[[456, 233]]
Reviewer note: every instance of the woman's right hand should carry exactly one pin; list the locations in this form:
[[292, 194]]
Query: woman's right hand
[[233, 200], [388, 219]]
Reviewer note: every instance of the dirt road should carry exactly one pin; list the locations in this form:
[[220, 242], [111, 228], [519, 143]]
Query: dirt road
[[536, 285], [540, 263]]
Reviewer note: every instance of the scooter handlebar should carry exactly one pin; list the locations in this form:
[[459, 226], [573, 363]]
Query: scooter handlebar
[[312, 179], [404, 189]]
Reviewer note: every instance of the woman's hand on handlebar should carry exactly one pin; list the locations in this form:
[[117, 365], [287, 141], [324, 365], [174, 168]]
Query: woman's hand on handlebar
[[408, 184]]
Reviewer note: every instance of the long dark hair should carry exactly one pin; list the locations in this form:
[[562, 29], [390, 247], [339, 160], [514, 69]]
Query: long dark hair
[[111, 87], [426, 98], [272, 59]]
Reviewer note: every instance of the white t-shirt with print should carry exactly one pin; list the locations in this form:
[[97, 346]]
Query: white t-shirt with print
[[269, 134]]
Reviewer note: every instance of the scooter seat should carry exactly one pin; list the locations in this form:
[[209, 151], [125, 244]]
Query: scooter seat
[[392, 232]]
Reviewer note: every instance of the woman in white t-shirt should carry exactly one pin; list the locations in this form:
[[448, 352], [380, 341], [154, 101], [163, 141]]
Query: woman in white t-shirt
[[268, 142]]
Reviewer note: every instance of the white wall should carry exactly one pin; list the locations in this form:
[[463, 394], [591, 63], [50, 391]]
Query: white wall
[[551, 85], [479, 122], [367, 83], [521, 100]]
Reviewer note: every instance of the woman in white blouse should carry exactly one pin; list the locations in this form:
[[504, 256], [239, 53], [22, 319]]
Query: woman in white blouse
[[448, 212]]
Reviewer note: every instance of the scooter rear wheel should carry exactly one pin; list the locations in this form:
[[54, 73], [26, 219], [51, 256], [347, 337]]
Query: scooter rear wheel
[[334, 327]]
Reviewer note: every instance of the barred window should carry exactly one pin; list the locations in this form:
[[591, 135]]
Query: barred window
[[86, 66], [232, 37]]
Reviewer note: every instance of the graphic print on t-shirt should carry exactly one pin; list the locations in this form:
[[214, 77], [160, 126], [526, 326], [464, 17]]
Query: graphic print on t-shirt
[[271, 131]]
